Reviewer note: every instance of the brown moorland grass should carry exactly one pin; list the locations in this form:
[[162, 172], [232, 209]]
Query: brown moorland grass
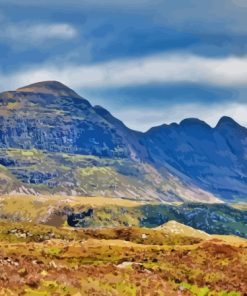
[[45, 260]]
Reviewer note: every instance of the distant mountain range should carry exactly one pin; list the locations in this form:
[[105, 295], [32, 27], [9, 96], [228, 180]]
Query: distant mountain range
[[54, 141]]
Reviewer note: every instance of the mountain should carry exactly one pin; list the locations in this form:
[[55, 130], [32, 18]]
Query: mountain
[[215, 158], [50, 116], [53, 141]]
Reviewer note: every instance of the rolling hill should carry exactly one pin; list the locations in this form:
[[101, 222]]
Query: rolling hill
[[173, 227]]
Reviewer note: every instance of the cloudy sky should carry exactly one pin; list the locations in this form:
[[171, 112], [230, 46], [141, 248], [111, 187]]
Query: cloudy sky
[[147, 61]]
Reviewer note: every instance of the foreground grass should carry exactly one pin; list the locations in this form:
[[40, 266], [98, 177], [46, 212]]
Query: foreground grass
[[45, 260]]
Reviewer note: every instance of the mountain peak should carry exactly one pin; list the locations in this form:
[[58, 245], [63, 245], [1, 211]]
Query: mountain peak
[[190, 122], [49, 87], [226, 121]]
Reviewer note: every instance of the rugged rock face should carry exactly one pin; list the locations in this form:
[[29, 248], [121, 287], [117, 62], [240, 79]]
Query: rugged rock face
[[51, 117], [54, 141]]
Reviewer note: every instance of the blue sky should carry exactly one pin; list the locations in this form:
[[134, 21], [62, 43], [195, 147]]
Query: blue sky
[[149, 62]]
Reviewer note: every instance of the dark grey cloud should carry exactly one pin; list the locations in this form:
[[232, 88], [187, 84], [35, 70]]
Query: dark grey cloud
[[110, 48]]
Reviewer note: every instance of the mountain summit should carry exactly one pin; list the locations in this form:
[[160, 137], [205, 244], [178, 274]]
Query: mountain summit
[[49, 87], [226, 122], [54, 141]]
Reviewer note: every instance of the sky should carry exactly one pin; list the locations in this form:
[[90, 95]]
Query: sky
[[148, 62]]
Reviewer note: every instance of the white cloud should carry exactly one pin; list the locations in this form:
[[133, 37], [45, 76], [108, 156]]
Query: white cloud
[[35, 34], [143, 119], [163, 68], [175, 68]]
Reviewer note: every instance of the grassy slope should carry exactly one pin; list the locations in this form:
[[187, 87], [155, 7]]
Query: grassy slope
[[173, 227], [109, 212], [34, 170]]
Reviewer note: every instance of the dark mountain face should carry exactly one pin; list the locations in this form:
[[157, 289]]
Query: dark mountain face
[[186, 161], [215, 158], [51, 117]]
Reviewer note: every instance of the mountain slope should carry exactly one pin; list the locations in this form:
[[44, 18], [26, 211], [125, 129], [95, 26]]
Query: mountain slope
[[54, 141]]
